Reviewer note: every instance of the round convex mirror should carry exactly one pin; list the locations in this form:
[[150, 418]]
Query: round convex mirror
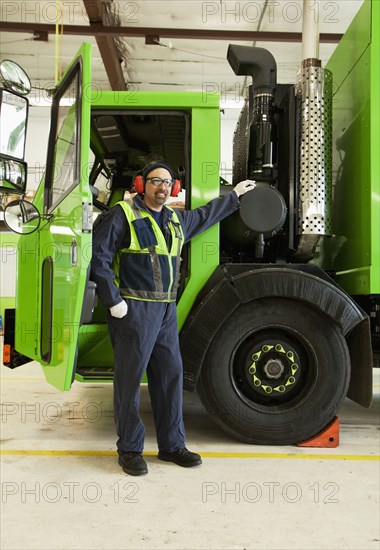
[[13, 77], [22, 217]]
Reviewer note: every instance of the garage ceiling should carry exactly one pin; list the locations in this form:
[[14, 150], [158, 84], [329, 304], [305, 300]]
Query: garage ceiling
[[184, 57]]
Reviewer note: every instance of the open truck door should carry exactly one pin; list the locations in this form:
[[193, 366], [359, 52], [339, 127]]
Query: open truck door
[[53, 263]]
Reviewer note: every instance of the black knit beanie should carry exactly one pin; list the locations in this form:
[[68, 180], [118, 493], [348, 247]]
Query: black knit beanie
[[156, 164]]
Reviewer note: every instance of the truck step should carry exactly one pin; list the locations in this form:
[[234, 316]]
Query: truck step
[[84, 374]]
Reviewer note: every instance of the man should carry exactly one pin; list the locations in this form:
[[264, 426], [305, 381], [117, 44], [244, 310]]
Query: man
[[136, 262]]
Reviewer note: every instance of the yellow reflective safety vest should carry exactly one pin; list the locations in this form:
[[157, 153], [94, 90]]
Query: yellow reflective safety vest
[[147, 269]]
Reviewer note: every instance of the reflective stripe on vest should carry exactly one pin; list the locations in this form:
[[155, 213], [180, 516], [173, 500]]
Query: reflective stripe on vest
[[147, 272]]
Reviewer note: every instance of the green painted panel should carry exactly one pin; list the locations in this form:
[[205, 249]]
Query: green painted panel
[[351, 47], [94, 346], [25, 248], [8, 254], [352, 176], [154, 100], [204, 249], [27, 294], [354, 250], [375, 148]]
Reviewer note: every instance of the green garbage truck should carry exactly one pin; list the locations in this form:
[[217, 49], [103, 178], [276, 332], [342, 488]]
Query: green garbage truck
[[278, 307]]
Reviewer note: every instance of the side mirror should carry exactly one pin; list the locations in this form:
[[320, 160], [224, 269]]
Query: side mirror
[[14, 116], [14, 86], [12, 175], [22, 217], [13, 77]]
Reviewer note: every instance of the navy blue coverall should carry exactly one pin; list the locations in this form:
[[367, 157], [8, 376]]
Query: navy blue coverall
[[146, 339]]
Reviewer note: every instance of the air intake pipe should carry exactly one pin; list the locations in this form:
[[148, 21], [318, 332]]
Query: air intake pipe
[[261, 66], [255, 62], [262, 144]]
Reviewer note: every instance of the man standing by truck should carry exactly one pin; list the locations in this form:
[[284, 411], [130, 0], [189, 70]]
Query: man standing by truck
[[136, 266]]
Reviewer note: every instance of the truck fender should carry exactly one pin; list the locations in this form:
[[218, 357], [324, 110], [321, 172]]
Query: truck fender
[[230, 291]]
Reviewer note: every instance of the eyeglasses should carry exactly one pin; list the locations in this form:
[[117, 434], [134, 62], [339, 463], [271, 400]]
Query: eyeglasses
[[159, 181]]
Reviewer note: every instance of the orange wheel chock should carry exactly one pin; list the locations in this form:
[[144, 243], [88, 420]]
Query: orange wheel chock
[[329, 437], [6, 353]]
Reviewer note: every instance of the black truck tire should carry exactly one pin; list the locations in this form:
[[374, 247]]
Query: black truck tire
[[276, 373]]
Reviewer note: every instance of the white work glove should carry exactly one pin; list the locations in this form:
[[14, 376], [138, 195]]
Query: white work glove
[[120, 310], [244, 186]]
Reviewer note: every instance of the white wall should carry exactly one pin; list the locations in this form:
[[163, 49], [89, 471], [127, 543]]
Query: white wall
[[227, 127]]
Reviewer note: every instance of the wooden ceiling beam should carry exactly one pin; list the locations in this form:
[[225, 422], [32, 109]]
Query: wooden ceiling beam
[[106, 44], [98, 30]]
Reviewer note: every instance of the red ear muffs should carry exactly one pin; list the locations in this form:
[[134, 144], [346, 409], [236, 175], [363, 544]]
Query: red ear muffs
[[139, 186], [176, 188]]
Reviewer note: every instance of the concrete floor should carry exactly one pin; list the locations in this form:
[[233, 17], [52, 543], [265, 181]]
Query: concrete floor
[[63, 489]]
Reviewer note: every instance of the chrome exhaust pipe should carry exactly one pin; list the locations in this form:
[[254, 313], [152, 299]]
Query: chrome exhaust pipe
[[314, 86]]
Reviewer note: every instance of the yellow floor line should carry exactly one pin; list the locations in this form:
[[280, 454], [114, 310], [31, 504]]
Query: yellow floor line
[[207, 454]]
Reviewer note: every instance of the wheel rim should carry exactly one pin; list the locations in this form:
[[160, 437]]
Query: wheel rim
[[273, 368]]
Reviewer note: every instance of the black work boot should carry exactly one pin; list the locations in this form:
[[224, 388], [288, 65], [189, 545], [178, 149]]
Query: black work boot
[[182, 457], [133, 463]]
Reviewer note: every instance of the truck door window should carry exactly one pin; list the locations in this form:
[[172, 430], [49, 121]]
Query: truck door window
[[62, 173]]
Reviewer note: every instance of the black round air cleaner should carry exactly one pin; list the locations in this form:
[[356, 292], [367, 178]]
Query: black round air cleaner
[[263, 209]]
